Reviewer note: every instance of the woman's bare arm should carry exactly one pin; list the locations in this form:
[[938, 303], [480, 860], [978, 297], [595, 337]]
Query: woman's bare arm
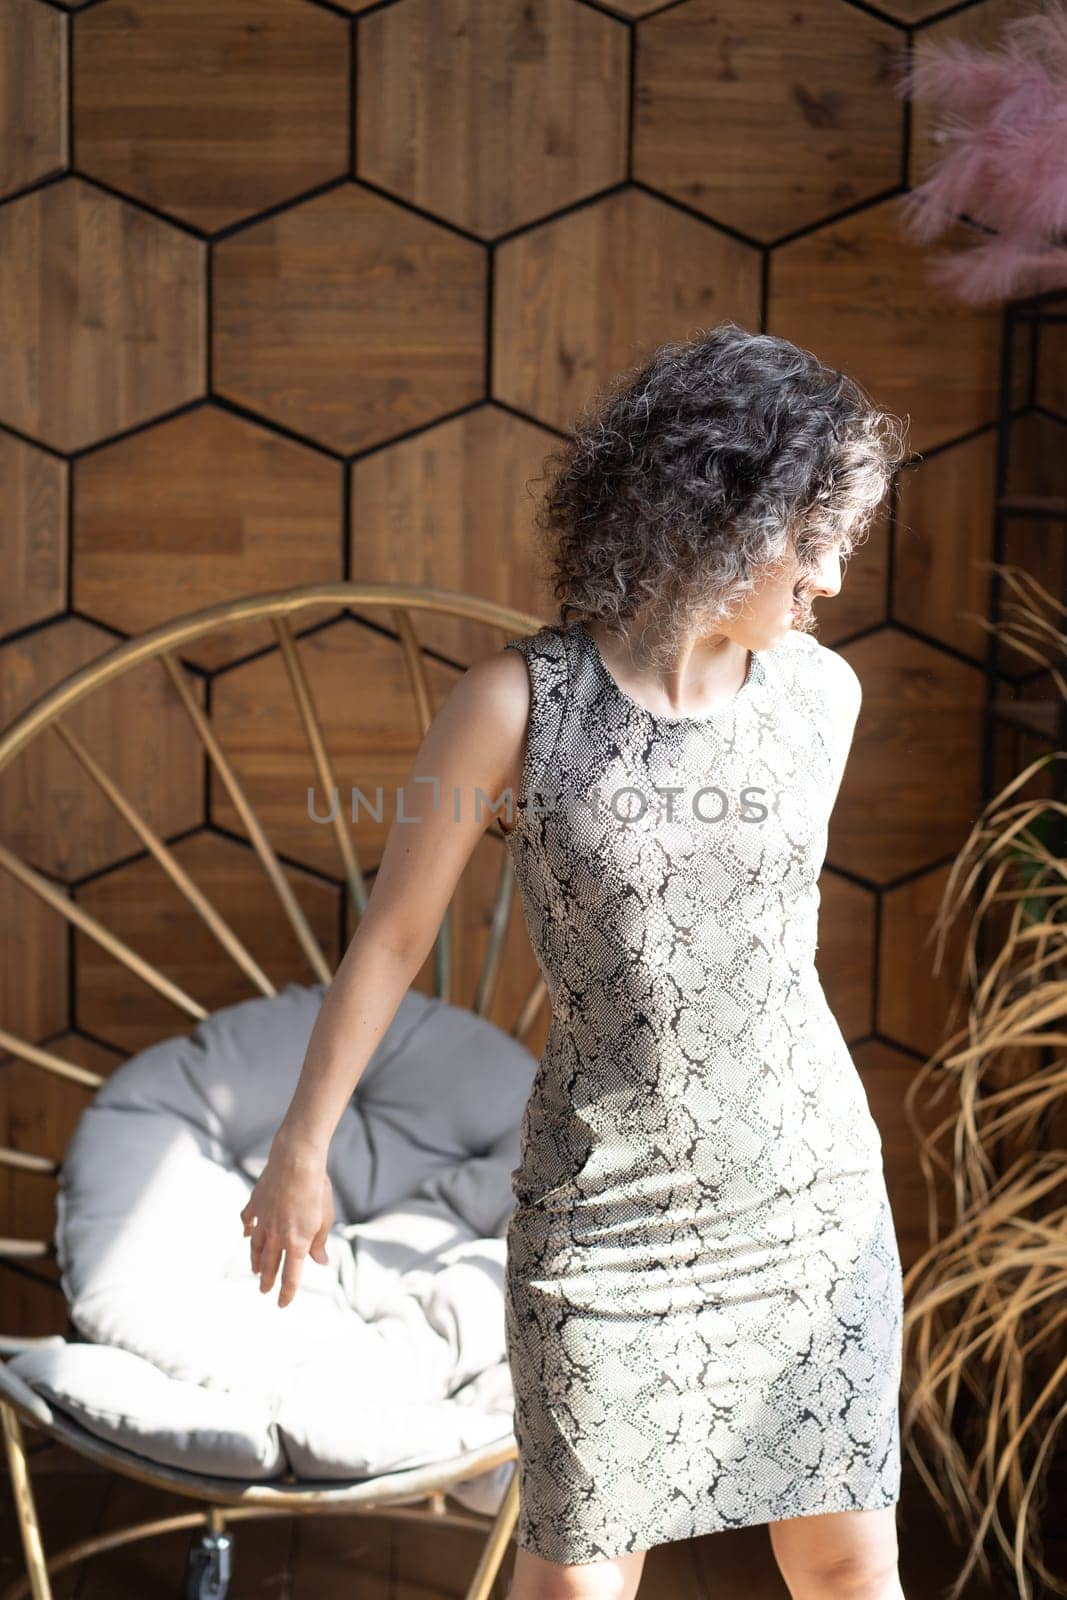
[[475, 743], [848, 702]]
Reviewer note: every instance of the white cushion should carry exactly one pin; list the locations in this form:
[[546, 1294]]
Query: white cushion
[[390, 1356]]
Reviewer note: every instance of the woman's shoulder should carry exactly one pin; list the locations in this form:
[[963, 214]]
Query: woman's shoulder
[[802, 660], [549, 641]]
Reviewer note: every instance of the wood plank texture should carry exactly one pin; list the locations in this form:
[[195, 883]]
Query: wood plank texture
[[913, 780], [251, 510], [33, 80], [33, 533], [349, 318], [492, 115], [580, 298], [453, 507], [101, 314], [764, 116], [51, 811], [211, 110]]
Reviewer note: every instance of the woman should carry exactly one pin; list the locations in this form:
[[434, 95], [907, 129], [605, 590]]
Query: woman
[[703, 1289]]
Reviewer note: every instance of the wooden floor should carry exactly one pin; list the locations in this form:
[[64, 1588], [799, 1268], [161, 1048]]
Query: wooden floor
[[367, 1558]]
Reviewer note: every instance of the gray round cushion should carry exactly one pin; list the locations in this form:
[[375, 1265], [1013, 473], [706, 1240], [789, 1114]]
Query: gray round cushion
[[390, 1356]]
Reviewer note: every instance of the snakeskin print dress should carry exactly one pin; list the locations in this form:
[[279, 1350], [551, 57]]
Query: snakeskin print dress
[[703, 1295]]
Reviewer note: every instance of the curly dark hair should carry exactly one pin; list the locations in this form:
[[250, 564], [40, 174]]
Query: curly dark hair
[[689, 473]]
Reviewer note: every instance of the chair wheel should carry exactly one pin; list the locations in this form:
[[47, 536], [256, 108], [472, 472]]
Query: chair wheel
[[207, 1576]]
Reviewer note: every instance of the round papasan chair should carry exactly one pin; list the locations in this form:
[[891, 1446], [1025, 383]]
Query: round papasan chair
[[383, 1387]]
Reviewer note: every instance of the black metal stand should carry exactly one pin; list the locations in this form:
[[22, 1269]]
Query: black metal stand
[[1023, 325], [1025, 356]]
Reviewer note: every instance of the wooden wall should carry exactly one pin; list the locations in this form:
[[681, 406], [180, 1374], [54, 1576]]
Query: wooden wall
[[296, 291]]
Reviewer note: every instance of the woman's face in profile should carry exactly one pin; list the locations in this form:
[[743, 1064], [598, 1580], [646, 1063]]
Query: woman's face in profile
[[782, 600]]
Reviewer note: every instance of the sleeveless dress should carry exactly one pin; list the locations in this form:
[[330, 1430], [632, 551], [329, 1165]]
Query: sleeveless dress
[[703, 1291]]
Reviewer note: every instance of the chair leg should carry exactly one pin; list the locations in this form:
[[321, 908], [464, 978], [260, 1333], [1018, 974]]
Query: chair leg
[[481, 1584], [25, 1505]]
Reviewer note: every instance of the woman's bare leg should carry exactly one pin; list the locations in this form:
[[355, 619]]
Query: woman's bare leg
[[839, 1555]]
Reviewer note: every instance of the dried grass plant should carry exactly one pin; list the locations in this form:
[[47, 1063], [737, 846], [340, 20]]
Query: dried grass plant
[[986, 1304]]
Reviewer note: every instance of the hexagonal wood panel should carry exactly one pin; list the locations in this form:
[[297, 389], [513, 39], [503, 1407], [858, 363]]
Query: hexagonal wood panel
[[35, 971], [846, 949], [767, 117], [250, 511], [211, 110], [138, 902], [494, 115], [33, 81], [887, 1074], [38, 1115], [33, 533], [862, 601], [51, 811], [591, 293], [633, 9], [360, 687], [856, 292], [127, 345], [915, 1002], [945, 533], [912, 785], [453, 508], [349, 319]]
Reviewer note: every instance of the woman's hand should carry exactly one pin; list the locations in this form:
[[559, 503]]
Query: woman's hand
[[473, 747], [290, 1210]]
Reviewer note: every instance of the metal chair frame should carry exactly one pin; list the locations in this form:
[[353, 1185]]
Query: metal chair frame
[[418, 1493]]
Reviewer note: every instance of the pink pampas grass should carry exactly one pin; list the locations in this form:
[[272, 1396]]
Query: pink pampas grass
[[1004, 130]]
